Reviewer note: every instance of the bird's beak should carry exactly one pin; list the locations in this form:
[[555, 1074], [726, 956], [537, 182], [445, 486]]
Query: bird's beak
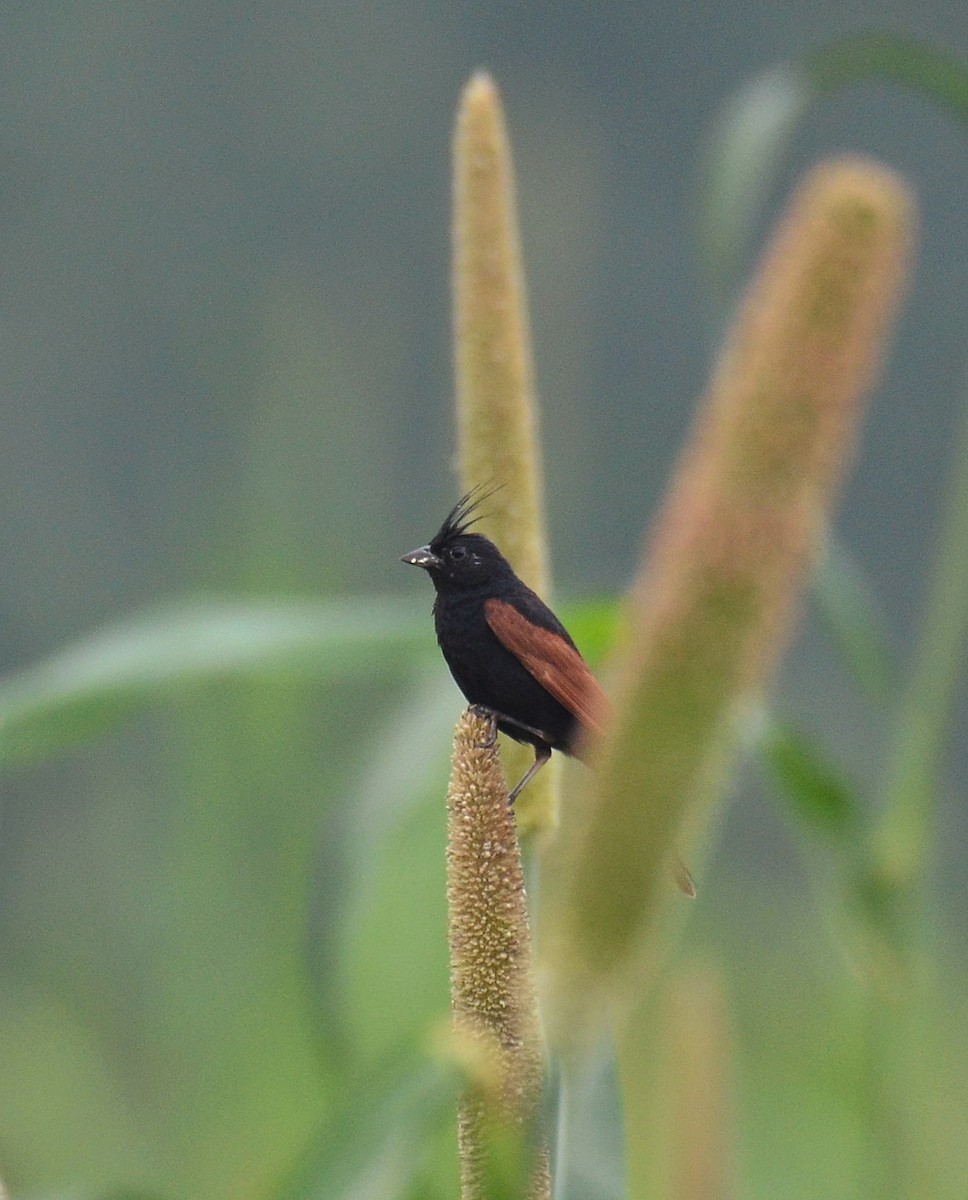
[[423, 557]]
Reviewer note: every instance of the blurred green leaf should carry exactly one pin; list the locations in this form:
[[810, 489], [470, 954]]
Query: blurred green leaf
[[594, 624], [403, 766], [101, 678], [853, 616], [928, 703], [376, 1149], [757, 123], [80, 1193], [819, 795], [894, 57], [127, 1194], [590, 1151], [84, 689], [740, 164]]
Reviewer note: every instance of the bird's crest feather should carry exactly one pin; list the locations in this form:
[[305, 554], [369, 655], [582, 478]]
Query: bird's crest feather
[[464, 514]]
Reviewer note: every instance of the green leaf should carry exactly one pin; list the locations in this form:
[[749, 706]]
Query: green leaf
[[93, 683], [377, 1148], [594, 624], [757, 123], [590, 1151], [84, 1193], [404, 764], [83, 690], [740, 164], [819, 795], [896, 58], [930, 696], [852, 614]]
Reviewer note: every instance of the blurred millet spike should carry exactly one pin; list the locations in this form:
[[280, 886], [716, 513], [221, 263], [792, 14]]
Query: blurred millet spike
[[728, 558]]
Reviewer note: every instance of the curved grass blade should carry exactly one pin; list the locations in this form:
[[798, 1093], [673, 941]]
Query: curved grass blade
[[896, 58], [103, 677]]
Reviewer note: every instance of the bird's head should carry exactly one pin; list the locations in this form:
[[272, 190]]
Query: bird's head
[[455, 559]]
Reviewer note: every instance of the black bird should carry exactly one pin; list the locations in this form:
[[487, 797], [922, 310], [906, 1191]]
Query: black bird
[[506, 649]]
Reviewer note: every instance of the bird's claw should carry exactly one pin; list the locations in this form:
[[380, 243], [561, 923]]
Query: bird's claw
[[486, 714]]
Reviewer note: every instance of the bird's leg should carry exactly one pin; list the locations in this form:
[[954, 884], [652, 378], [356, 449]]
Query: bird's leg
[[489, 715], [541, 756]]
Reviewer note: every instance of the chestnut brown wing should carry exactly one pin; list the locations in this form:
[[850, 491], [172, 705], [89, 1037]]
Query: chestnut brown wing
[[553, 662]]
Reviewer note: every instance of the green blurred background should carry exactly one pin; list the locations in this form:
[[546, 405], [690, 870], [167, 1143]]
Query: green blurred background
[[225, 370]]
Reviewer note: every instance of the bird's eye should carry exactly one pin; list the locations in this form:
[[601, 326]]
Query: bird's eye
[[457, 553]]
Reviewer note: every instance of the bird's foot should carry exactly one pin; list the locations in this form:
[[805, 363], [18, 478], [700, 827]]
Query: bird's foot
[[486, 714]]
